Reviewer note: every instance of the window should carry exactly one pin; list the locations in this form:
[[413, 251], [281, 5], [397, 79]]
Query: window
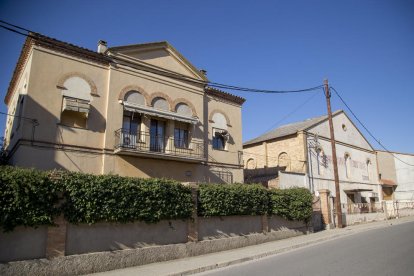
[[160, 103], [319, 160], [157, 138], [181, 135], [76, 102], [220, 136], [369, 169], [134, 97], [251, 164], [184, 109], [284, 161], [347, 166]]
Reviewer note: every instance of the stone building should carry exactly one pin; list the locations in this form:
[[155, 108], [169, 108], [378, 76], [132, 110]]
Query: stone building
[[139, 110], [396, 172], [299, 154]]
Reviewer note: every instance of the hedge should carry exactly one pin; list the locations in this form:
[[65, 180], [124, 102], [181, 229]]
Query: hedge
[[30, 198], [291, 204], [232, 199], [27, 198], [91, 198]]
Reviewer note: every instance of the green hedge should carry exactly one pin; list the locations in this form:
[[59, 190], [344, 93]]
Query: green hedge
[[91, 198], [232, 199], [27, 198], [30, 198], [291, 204]]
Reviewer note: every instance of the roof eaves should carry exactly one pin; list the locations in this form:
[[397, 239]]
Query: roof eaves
[[224, 95]]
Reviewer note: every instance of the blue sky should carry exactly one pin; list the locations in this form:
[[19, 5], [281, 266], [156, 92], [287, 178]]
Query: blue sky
[[365, 49]]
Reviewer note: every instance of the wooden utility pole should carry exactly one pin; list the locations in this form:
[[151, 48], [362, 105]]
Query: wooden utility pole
[[334, 160]]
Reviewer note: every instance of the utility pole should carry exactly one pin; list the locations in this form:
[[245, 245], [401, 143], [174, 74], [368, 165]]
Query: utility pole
[[334, 160]]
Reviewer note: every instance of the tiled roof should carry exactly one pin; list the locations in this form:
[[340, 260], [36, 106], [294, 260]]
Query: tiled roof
[[289, 129], [224, 95], [388, 182]]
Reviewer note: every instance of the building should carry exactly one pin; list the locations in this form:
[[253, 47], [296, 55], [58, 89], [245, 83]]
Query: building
[[396, 172], [300, 154], [139, 110]]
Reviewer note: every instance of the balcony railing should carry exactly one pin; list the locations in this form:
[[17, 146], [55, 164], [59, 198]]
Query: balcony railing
[[143, 142]]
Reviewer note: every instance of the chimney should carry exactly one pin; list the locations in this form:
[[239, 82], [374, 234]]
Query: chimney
[[102, 46]]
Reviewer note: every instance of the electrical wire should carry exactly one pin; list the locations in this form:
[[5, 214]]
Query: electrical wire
[[367, 130], [171, 74]]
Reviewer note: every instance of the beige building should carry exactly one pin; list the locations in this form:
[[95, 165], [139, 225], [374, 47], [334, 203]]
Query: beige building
[[299, 154], [396, 171], [139, 110]]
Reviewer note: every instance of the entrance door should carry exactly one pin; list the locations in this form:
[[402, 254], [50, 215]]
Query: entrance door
[[157, 136]]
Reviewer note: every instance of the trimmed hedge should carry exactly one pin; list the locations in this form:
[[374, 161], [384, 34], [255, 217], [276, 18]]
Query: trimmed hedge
[[110, 198], [232, 199], [27, 198], [291, 204], [30, 198]]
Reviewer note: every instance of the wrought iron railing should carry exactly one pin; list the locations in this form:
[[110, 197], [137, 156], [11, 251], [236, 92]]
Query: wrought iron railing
[[158, 144]]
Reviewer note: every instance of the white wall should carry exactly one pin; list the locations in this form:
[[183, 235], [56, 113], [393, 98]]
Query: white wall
[[405, 177]]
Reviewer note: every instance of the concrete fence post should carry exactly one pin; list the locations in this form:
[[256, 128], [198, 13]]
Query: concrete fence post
[[56, 238], [193, 221]]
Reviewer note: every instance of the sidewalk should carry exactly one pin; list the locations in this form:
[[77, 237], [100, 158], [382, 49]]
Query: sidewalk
[[207, 262]]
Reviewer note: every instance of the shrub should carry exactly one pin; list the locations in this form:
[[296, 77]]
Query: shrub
[[232, 199], [291, 204], [27, 198], [91, 198]]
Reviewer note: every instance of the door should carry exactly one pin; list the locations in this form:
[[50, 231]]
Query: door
[[130, 130], [157, 135]]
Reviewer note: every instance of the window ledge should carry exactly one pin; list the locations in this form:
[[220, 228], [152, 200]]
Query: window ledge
[[62, 125]]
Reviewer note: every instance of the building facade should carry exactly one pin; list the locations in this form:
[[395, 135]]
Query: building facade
[[300, 154], [139, 110], [396, 171]]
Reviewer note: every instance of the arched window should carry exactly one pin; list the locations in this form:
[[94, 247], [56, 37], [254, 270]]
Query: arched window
[[369, 169], [220, 132], [284, 161], [347, 165], [134, 97], [160, 103], [183, 109], [250, 164], [320, 159], [76, 102]]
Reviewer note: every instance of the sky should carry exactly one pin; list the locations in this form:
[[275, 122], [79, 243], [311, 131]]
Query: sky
[[364, 48]]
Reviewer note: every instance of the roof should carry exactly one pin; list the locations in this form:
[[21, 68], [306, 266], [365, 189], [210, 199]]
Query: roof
[[224, 95], [388, 182], [159, 44], [289, 129], [51, 43]]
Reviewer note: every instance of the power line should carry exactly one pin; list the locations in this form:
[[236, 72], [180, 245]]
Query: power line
[[290, 113], [367, 130], [172, 74], [17, 116]]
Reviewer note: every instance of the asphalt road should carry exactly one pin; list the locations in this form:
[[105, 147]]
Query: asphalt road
[[384, 251]]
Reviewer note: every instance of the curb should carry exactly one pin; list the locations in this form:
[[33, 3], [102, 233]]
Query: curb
[[346, 232]]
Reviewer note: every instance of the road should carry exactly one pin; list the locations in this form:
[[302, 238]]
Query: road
[[384, 251]]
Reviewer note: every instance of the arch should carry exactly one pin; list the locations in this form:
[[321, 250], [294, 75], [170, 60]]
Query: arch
[[251, 164], [182, 100], [210, 117], [64, 78], [135, 97], [153, 96], [129, 88], [283, 160]]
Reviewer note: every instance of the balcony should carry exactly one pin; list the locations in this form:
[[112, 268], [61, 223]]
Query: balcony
[[145, 144]]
